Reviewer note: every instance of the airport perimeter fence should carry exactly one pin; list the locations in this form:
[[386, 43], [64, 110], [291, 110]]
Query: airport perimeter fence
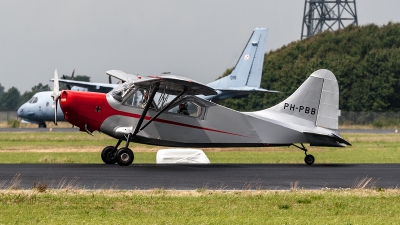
[[377, 119], [8, 115]]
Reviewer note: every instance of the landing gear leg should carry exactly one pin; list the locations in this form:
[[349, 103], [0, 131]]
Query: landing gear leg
[[309, 159], [124, 155]]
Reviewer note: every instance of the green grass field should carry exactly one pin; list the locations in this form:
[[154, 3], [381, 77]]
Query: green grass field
[[78, 147], [200, 207]]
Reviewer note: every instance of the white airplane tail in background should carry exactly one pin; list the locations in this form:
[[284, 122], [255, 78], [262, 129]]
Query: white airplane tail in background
[[246, 76], [315, 102]]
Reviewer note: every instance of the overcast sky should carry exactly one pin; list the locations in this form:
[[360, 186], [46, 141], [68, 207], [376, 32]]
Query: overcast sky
[[195, 39]]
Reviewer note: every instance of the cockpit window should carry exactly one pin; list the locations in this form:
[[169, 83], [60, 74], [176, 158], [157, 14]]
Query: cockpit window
[[33, 100], [120, 92], [138, 98]]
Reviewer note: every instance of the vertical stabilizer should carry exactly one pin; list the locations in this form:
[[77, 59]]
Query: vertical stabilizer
[[248, 69], [316, 100]]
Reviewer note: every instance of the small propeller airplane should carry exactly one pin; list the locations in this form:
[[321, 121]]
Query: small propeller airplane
[[244, 79], [165, 111]]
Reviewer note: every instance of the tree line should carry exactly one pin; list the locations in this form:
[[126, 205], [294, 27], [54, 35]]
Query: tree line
[[364, 59], [12, 99]]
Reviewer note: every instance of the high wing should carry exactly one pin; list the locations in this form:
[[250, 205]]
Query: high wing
[[121, 75], [173, 85]]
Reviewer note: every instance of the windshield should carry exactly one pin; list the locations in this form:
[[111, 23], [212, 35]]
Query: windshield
[[34, 99], [138, 96], [119, 92]]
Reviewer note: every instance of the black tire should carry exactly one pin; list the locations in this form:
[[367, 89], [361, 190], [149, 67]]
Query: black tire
[[42, 125], [108, 155], [309, 159], [124, 157]]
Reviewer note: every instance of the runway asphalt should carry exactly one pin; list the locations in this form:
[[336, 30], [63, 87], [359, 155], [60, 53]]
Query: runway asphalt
[[192, 177]]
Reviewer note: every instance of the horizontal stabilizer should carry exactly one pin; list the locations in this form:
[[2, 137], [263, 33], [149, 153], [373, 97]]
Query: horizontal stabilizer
[[247, 89], [333, 140]]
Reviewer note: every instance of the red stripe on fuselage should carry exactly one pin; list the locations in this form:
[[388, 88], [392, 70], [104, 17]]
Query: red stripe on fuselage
[[122, 113], [134, 115]]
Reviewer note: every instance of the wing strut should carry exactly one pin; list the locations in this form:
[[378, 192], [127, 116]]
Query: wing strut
[[165, 108], [146, 108]]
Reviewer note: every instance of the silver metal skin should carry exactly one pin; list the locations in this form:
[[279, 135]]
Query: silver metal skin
[[309, 115], [166, 111]]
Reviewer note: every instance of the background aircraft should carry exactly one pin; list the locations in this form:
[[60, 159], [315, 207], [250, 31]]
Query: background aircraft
[[309, 115], [244, 79], [39, 109]]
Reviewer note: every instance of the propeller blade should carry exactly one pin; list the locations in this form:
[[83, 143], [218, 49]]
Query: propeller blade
[[55, 112], [56, 90]]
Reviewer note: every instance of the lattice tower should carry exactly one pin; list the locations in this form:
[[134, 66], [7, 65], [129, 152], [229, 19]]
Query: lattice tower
[[320, 15]]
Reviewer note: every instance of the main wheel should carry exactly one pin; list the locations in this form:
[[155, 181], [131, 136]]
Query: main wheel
[[42, 125], [108, 155], [309, 159], [124, 157]]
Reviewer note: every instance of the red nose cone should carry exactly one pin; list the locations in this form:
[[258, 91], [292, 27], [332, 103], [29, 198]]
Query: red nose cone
[[83, 108]]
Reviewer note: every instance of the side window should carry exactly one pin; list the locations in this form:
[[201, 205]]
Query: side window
[[186, 108], [138, 99]]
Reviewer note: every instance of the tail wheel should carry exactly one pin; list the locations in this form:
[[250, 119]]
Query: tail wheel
[[108, 155], [309, 159], [124, 156]]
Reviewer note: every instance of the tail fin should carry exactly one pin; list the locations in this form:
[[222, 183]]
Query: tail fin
[[316, 100], [248, 69]]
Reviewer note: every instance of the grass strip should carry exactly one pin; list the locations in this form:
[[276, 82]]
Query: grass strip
[[200, 207], [78, 147]]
